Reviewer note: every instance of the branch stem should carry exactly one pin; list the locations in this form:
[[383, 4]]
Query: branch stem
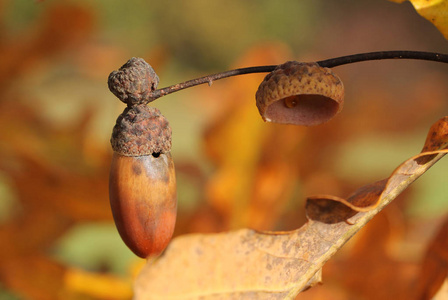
[[399, 54], [328, 63]]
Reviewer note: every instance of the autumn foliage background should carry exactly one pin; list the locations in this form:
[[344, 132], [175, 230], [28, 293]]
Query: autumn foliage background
[[57, 236]]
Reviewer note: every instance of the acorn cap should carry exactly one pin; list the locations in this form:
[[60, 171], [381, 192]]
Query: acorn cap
[[133, 82], [141, 130], [300, 94]]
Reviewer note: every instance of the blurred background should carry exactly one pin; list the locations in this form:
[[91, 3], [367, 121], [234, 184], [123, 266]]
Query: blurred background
[[57, 237]]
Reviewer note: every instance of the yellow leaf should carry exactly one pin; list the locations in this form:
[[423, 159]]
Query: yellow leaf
[[435, 11]]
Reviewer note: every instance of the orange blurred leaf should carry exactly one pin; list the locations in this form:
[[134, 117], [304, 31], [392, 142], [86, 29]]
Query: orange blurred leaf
[[100, 286], [435, 265], [250, 157]]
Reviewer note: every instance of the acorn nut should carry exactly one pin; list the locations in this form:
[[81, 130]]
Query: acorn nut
[[142, 182], [300, 94]]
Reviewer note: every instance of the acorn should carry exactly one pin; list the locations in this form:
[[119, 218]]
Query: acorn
[[142, 183], [300, 94]]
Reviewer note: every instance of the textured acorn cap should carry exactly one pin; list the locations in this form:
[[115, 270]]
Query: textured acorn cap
[[300, 94], [141, 130], [133, 82]]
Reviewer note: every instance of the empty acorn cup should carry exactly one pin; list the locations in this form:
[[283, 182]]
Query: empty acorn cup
[[300, 94]]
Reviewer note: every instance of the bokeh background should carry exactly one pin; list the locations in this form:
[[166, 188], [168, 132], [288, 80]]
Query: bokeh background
[[57, 237]]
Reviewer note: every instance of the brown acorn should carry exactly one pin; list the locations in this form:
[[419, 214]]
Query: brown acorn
[[142, 183], [300, 94]]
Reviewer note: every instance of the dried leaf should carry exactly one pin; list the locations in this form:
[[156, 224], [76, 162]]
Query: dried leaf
[[328, 208], [277, 265], [232, 265], [375, 257]]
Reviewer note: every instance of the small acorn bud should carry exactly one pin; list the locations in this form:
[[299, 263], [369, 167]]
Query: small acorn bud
[[133, 82], [142, 183], [300, 94]]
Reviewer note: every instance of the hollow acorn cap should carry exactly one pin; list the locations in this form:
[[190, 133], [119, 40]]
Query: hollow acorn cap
[[300, 94], [141, 130], [133, 82]]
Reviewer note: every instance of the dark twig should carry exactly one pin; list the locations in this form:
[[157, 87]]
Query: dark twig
[[209, 79], [328, 63], [343, 60]]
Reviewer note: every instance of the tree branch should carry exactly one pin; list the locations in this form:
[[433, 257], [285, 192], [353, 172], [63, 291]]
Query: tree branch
[[328, 63]]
